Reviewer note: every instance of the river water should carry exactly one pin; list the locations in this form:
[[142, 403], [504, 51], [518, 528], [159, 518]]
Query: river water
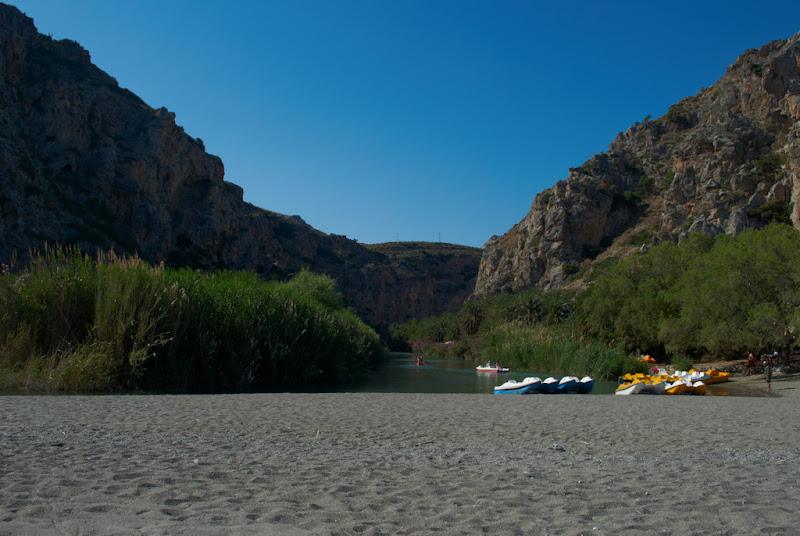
[[401, 374]]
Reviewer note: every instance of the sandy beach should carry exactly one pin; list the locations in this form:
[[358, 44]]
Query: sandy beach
[[347, 464]]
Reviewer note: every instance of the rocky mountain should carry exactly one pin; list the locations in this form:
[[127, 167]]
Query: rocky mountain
[[723, 160], [86, 162]]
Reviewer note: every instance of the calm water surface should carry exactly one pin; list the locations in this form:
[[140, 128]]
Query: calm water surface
[[402, 375]]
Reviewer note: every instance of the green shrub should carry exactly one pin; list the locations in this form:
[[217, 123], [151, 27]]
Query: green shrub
[[645, 185], [632, 198], [774, 211], [640, 238], [317, 287], [736, 196], [682, 362], [768, 169]]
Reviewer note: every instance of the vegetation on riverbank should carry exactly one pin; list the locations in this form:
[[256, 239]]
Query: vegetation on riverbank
[[700, 299], [558, 349], [71, 322], [532, 330]]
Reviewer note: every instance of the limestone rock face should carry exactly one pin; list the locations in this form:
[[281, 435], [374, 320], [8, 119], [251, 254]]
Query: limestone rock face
[[722, 161], [85, 162]]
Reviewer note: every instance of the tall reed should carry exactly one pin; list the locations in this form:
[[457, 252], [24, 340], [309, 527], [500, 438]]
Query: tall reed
[[50, 303], [556, 350], [71, 322]]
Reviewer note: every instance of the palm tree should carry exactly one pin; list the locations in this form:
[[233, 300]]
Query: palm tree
[[471, 317], [529, 310], [555, 308]]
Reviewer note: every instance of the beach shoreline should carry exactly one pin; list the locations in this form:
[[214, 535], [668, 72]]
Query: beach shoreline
[[337, 464], [782, 385]]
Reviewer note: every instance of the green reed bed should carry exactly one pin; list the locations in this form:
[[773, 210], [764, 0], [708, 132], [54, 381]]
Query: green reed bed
[[556, 350], [107, 323]]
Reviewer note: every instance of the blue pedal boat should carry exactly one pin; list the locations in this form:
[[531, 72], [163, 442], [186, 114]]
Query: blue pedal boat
[[513, 387]]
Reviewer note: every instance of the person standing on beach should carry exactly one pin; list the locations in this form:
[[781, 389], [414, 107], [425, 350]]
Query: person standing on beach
[[751, 365], [768, 369]]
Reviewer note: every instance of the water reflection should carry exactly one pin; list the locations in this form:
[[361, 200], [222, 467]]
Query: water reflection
[[401, 374]]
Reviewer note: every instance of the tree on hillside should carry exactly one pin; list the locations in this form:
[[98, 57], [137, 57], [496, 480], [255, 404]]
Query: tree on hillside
[[701, 297], [630, 303], [745, 294]]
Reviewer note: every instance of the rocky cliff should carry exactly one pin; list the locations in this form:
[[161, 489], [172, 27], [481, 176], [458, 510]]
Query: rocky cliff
[[721, 161], [85, 162]]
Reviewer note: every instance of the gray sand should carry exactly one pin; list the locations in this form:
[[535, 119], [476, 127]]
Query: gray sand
[[400, 464]]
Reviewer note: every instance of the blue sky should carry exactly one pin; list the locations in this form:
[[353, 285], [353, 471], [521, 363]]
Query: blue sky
[[410, 120]]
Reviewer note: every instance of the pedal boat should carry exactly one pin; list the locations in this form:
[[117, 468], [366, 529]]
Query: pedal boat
[[493, 370], [629, 388], [513, 387]]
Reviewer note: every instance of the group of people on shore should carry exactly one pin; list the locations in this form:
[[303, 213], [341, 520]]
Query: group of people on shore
[[767, 364]]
